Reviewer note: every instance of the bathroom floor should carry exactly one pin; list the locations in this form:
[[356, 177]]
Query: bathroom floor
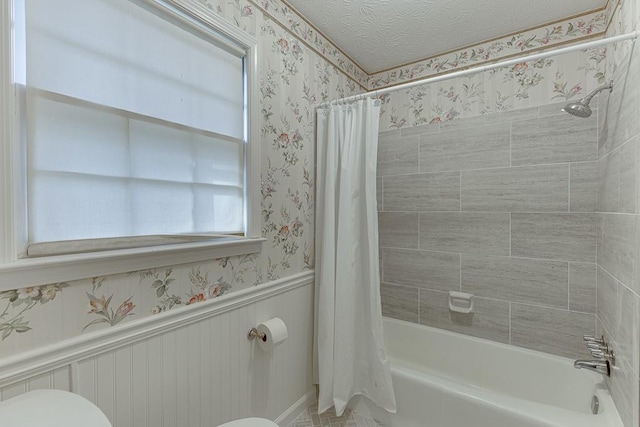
[[311, 418]]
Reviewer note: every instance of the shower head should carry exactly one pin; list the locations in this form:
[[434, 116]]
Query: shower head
[[581, 108], [578, 109]]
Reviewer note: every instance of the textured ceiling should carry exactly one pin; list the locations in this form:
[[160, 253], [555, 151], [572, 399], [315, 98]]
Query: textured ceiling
[[381, 34]]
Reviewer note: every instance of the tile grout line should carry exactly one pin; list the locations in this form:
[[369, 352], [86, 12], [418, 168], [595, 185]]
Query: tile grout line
[[460, 269], [569, 189], [419, 313], [510, 343], [480, 254], [460, 190], [510, 142], [568, 286]]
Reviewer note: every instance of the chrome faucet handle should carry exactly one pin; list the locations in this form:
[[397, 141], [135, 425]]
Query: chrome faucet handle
[[597, 346], [591, 339]]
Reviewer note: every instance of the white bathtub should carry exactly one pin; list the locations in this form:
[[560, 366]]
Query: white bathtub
[[443, 379]]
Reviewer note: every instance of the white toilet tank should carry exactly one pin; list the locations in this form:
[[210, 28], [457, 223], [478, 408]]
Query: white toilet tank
[[50, 408]]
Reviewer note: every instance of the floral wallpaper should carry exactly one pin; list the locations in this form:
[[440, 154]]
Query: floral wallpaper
[[288, 18], [299, 68], [526, 84]]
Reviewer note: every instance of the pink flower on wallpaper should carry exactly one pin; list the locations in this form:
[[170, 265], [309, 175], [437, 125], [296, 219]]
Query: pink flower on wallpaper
[[576, 89], [284, 231], [125, 308], [213, 291], [284, 45], [246, 11], [283, 139], [100, 308], [196, 298], [520, 68], [436, 120], [97, 304]]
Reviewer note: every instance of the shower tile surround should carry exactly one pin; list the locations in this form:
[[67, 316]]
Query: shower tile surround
[[500, 207], [618, 222], [571, 190]]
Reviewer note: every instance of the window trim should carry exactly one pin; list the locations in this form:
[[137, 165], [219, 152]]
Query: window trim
[[16, 272]]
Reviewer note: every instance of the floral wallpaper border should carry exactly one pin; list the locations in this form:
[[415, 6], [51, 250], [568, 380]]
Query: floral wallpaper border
[[585, 25], [576, 28], [293, 21]]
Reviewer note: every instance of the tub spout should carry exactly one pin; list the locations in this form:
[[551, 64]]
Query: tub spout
[[599, 366]]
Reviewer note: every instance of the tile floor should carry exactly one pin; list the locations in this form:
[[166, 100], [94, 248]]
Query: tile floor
[[310, 418]]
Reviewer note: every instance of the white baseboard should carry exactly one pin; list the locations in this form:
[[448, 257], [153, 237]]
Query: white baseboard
[[288, 416]]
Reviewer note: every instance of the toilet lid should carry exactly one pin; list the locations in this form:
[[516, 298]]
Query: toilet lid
[[250, 422], [51, 408]]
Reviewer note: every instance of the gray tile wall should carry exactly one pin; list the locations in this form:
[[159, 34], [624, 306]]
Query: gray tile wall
[[618, 232], [503, 207]]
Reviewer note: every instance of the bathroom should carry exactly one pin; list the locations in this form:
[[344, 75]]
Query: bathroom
[[540, 223]]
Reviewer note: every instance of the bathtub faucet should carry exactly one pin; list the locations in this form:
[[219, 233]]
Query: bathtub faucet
[[599, 366]]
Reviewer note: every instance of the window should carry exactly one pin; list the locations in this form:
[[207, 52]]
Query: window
[[132, 130]]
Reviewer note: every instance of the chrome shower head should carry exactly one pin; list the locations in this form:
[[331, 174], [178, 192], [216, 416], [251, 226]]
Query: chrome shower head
[[581, 108], [578, 109]]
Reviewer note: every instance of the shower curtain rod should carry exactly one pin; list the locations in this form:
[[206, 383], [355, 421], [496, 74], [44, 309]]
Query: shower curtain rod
[[375, 93]]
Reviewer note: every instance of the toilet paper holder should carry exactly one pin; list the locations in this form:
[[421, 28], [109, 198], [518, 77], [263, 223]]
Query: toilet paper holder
[[254, 334]]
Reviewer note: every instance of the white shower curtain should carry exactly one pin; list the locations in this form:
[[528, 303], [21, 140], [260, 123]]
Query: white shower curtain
[[350, 358]]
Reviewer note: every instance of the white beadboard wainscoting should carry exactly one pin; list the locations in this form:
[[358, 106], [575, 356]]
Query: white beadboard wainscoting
[[192, 366]]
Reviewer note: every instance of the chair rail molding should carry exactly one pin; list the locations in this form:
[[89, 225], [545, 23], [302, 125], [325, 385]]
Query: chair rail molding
[[46, 359]]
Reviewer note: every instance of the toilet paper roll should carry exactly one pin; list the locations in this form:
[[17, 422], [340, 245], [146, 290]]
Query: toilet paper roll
[[275, 332]]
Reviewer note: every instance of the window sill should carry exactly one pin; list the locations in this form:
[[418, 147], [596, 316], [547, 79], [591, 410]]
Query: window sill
[[64, 268]]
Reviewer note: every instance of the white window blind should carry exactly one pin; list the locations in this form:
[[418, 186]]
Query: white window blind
[[135, 124]]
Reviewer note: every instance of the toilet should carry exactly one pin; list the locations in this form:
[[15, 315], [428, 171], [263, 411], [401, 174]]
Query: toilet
[[57, 408], [51, 408]]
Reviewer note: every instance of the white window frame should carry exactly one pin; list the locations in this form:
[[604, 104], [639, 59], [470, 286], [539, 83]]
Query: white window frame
[[18, 272]]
